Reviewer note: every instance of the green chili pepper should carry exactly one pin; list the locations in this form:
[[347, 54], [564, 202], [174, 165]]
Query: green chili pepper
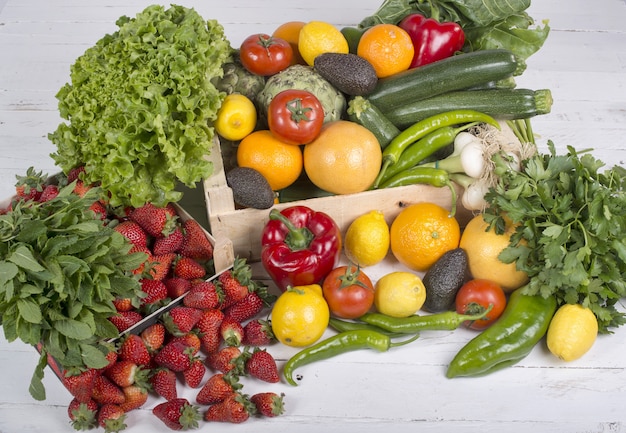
[[446, 321], [424, 175], [394, 150], [523, 323], [343, 342], [344, 325]]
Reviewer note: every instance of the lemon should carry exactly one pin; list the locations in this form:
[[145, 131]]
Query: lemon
[[399, 294], [367, 239], [572, 332], [318, 37], [300, 316], [236, 117]]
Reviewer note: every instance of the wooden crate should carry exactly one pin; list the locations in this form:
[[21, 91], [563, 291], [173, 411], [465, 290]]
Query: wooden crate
[[243, 227]]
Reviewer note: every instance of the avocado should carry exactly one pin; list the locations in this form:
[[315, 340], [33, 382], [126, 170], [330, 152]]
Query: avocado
[[349, 73], [444, 279], [250, 188]]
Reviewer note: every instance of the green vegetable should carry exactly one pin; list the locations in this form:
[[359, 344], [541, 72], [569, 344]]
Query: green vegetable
[[523, 323], [343, 342], [60, 270], [501, 103], [572, 216], [140, 103], [237, 79], [345, 325], [366, 114]]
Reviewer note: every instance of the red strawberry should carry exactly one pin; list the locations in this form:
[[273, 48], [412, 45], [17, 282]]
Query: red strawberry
[[48, 193], [231, 331], [258, 332], [209, 327], [234, 283], [217, 388], [125, 373], [80, 384], [155, 291], [153, 337], [126, 319], [168, 244], [135, 350], [225, 360], [180, 320], [245, 309], [175, 355], [163, 381], [195, 373], [188, 268], [268, 403], [195, 243], [123, 304], [177, 286], [148, 254], [133, 232], [191, 339], [112, 357], [203, 295], [81, 188], [105, 391], [161, 266], [82, 415], [236, 408], [99, 209], [156, 221], [136, 396], [178, 414], [75, 173], [111, 417], [30, 186], [262, 365]]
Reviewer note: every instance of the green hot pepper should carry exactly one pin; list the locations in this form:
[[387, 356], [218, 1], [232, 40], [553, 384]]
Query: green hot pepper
[[343, 342], [345, 325], [523, 323]]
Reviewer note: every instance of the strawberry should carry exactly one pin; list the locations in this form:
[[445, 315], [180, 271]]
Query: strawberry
[[161, 265], [231, 331], [202, 295], [168, 244], [135, 350], [236, 408], [30, 186], [136, 396], [195, 373], [176, 286], [75, 173], [217, 388], [125, 373], [225, 360], [106, 391], [112, 357], [133, 232], [163, 381], [195, 243], [155, 291], [81, 188], [191, 339], [262, 365], [234, 282], [80, 384], [245, 309], [111, 417], [123, 304], [125, 319], [156, 221], [99, 209], [82, 415], [148, 254], [49, 192], [188, 268], [269, 404], [153, 337], [178, 414], [175, 355], [209, 327], [180, 320], [258, 332]]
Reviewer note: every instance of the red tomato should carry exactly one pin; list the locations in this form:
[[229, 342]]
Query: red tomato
[[348, 292], [476, 296], [265, 55], [295, 116]]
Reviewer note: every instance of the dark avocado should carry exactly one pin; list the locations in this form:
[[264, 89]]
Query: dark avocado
[[349, 73], [250, 188], [444, 279]]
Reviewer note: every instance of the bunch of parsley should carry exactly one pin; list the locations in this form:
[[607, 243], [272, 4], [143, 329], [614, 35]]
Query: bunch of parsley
[[572, 215]]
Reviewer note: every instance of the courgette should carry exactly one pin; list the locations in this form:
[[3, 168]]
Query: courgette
[[503, 104], [363, 112], [458, 72]]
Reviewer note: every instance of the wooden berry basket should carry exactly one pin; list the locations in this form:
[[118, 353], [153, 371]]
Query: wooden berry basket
[[243, 227]]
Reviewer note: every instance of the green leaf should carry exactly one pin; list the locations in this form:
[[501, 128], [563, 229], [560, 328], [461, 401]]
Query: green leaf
[[29, 310], [23, 257], [8, 271], [36, 388], [73, 329], [92, 357], [31, 231]]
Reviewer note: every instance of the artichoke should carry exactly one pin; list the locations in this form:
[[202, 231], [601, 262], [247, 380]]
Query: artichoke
[[237, 79], [303, 77]]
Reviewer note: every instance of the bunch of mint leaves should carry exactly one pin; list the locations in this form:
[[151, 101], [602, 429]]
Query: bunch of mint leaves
[[60, 269], [571, 212]]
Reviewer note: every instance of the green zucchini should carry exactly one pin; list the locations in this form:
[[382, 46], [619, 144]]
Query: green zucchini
[[458, 72], [506, 104], [366, 114]]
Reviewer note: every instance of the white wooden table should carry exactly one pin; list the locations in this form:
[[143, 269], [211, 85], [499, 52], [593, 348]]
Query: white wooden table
[[583, 63]]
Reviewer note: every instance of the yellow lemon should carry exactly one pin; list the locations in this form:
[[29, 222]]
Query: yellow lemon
[[572, 332], [367, 239], [318, 37], [399, 294], [236, 117], [300, 316]]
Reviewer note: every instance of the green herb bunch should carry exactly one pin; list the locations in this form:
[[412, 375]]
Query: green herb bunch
[[60, 269], [572, 216]]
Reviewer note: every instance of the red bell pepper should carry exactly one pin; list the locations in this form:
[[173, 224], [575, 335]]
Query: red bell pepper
[[432, 40], [299, 246]]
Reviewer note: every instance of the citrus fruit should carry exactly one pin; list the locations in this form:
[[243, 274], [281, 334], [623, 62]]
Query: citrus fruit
[[367, 239], [483, 247], [317, 37], [399, 294], [290, 31], [345, 158], [572, 332], [236, 117], [422, 233], [388, 48], [280, 163], [300, 315]]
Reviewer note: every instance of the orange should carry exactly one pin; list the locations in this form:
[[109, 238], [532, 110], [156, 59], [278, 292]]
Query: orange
[[345, 158], [290, 31], [422, 233], [483, 247], [280, 163], [388, 48], [318, 37]]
